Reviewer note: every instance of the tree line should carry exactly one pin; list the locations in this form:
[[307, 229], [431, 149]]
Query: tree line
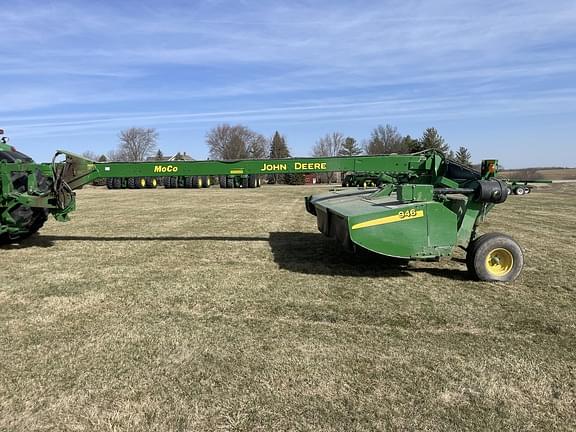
[[229, 142]]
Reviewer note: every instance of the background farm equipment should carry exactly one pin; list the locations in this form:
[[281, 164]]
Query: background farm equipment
[[427, 205], [523, 187]]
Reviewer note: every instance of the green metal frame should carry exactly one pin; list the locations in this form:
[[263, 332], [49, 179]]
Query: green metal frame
[[420, 181]]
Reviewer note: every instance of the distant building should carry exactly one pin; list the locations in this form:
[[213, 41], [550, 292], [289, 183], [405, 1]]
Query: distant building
[[178, 156], [310, 179]]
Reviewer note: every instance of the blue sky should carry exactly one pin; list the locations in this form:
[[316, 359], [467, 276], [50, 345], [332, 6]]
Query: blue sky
[[498, 77]]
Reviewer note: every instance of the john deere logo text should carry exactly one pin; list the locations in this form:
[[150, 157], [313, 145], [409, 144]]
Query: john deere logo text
[[165, 168], [298, 166]]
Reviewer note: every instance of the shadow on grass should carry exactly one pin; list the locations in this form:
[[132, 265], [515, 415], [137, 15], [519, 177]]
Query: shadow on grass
[[312, 253], [300, 252], [45, 241]]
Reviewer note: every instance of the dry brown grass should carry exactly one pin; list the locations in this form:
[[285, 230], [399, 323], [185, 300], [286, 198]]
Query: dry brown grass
[[225, 310], [541, 174]]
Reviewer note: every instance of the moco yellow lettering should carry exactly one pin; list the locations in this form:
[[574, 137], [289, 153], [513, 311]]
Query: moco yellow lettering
[[164, 169], [274, 167]]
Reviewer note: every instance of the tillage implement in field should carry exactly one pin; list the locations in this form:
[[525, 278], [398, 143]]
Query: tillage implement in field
[[426, 208]]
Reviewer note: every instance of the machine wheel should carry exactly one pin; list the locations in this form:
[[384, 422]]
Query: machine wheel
[[140, 182], [131, 183], [116, 183], [188, 182], [527, 190], [229, 182], [151, 182], [109, 183], [222, 181], [519, 190], [252, 181], [174, 182], [205, 181], [196, 182], [34, 220], [244, 183], [259, 182], [495, 257]]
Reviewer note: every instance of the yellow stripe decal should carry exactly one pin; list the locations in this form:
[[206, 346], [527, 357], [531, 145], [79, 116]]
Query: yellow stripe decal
[[401, 216], [237, 171]]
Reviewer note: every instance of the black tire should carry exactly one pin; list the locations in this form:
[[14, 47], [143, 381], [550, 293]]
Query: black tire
[[174, 182], [205, 181], [151, 182], [495, 257], [34, 219], [131, 182], [222, 181], [140, 182], [188, 182], [109, 183], [519, 190], [166, 182], [244, 182], [252, 181], [229, 182], [116, 183], [527, 190]]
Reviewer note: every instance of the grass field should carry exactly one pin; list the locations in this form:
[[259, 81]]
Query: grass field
[[215, 309], [541, 174]]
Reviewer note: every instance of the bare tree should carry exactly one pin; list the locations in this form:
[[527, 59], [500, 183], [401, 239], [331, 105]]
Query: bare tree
[[114, 156], [236, 142], [385, 140], [88, 154], [329, 145], [136, 144]]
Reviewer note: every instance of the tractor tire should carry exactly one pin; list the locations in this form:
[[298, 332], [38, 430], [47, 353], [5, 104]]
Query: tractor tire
[[166, 182], [527, 190], [229, 182], [131, 182], [151, 182], [252, 181], [244, 183], [109, 182], [188, 182], [174, 182], [28, 219], [140, 182], [519, 190], [116, 183], [206, 183], [259, 183], [222, 181], [196, 182], [32, 219], [495, 257]]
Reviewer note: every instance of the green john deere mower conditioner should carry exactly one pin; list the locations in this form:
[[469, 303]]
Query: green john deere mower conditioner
[[426, 206]]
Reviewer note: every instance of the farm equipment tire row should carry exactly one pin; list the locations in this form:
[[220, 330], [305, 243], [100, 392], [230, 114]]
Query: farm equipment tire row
[[249, 181]]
